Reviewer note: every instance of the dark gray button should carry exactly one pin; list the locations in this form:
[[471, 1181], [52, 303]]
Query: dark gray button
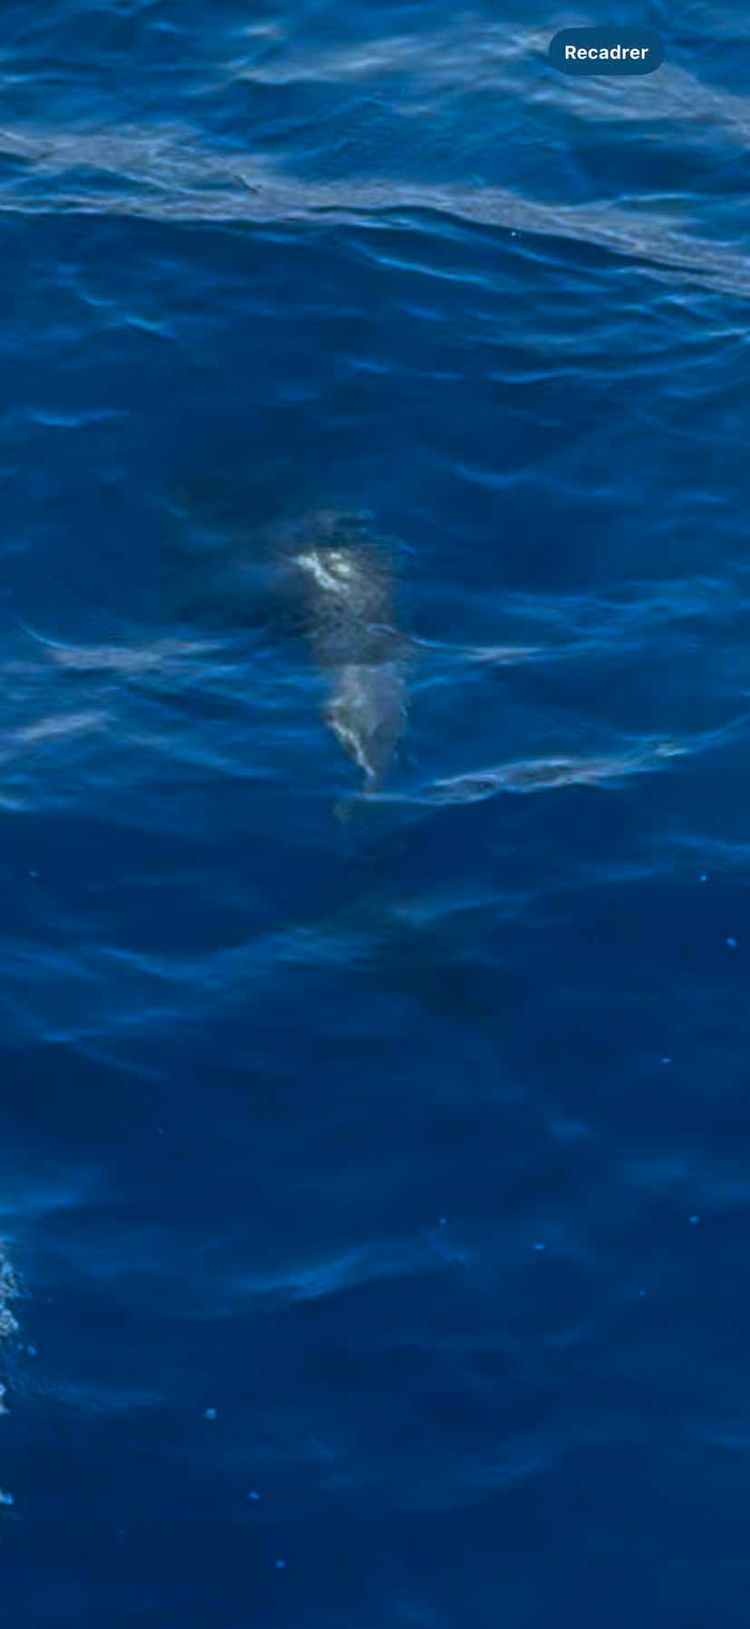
[[606, 51]]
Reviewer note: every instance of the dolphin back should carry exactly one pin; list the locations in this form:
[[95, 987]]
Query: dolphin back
[[356, 641]]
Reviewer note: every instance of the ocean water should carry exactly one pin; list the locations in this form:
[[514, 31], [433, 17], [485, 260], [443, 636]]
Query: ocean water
[[374, 1128]]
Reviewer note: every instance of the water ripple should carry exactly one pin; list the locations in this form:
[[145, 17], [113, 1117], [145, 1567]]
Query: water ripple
[[169, 177]]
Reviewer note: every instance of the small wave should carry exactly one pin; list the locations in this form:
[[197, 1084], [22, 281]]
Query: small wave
[[483, 655], [60, 726], [124, 660], [349, 1270], [549, 774], [9, 1291], [55, 419], [170, 176], [447, 58]]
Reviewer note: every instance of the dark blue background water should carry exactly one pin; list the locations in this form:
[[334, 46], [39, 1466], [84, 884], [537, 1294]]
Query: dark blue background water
[[414, 1144]]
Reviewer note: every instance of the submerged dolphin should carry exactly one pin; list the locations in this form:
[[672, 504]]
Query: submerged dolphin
[[355, 640], [323, 577]]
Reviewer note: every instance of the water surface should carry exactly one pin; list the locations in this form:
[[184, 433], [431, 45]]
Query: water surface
[[373, 1159]]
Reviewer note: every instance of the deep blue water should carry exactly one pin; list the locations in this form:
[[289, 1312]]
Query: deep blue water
[[374, 1150]]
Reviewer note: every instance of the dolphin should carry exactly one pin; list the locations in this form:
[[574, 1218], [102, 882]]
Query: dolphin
[[353, 633], [322, 577]]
